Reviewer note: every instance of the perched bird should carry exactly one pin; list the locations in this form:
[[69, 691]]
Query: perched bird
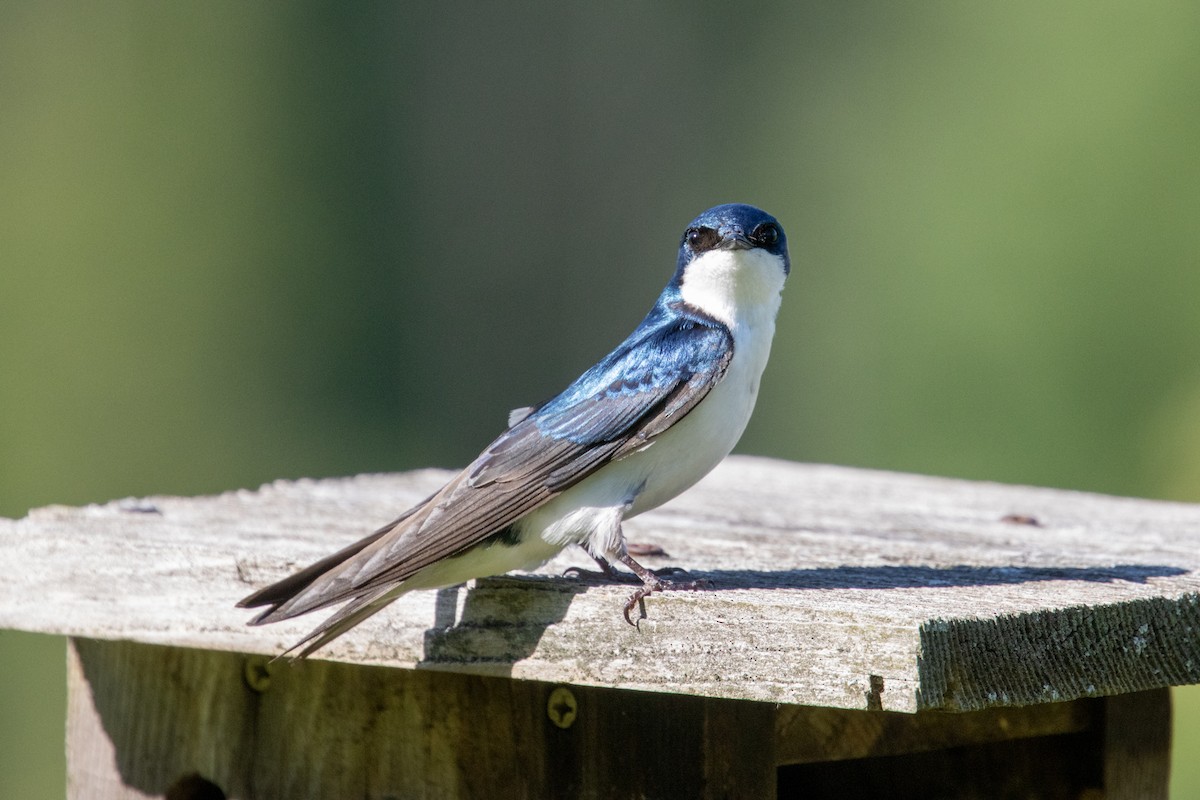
[[649, 420]]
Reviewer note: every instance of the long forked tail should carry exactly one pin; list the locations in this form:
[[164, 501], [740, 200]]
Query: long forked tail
[[278, 595], [346, 618], [282, 591]]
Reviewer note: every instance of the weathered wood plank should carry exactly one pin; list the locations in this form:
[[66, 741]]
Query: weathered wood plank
[[834, 587], [1137, 745], [1112, 748], [1079, 652], [1063, 767], [807, 735], [144, 716]]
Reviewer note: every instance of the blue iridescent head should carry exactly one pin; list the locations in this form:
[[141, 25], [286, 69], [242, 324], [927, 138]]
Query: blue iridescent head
[[733, 226]]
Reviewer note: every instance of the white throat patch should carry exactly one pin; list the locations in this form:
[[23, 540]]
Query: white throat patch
[[737, 287]]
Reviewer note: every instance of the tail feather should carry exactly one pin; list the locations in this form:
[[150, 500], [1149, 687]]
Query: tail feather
[[317, 586], [280, 592], [280, 596], [343, 620]]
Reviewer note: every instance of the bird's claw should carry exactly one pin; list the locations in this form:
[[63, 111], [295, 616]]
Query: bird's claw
[[638, 598], [656, 584], [653, 580]]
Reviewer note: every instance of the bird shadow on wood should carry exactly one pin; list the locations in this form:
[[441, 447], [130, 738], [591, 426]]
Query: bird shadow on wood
[[497, 622]]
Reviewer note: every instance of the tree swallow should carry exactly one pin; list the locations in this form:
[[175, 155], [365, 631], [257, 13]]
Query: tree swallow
[[645, 423]]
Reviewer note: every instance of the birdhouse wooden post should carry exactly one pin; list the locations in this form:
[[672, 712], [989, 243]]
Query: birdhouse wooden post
[[867, 635]]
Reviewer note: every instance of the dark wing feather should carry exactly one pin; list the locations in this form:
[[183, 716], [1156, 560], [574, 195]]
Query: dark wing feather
[[636, 393], [281, 591]]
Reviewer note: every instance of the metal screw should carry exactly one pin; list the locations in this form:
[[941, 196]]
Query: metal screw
[[256, 672], [562, 708]]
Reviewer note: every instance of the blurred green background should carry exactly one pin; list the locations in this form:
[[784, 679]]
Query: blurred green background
[[242, 242]]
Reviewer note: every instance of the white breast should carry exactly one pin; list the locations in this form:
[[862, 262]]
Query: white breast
[[740, 288]]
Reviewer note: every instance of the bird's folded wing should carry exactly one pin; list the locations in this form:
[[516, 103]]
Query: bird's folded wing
[[618, 406]]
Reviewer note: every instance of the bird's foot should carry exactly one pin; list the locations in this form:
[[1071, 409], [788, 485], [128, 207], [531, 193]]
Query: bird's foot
[[652, 580], [652, 583], [605, 573], [608, 573]]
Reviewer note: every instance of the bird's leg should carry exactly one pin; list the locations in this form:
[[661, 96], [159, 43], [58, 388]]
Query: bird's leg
[[652, 580], [607, 572], [651, 583]]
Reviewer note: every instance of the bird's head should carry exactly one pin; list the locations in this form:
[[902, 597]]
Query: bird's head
[[733, 260]]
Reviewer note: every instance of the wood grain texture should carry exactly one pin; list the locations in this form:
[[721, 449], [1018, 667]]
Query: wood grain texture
[[144, 716], [807, 735], [1137, 745], [833, 587]]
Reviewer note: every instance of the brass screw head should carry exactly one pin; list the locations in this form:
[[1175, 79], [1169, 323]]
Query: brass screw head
[[562, 707]]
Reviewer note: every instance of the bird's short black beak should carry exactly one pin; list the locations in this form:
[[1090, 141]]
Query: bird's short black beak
[[734, 240]]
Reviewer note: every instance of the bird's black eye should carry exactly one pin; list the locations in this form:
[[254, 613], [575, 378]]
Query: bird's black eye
[[765, 235], [701, 239]]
